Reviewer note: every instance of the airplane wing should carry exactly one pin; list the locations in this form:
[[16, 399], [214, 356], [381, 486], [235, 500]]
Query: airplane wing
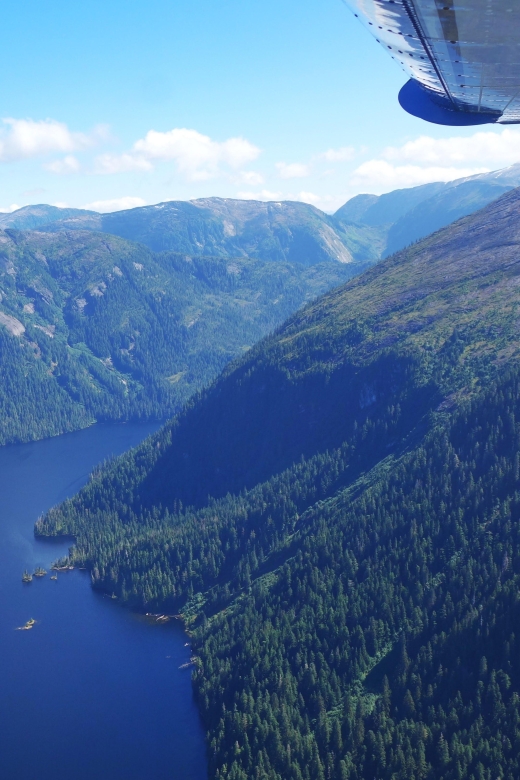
[[462, 56]]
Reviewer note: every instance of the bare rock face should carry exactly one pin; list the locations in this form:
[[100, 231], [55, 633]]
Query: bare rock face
[[13, 325]]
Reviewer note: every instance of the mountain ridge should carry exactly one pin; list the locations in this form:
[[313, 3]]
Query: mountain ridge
[[378, 292], [93, 327], [352, 586], [278, 230], [364, 229], [31, 217]]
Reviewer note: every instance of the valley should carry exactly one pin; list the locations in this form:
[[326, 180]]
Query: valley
[[96, 328], [124, 316], [260, 391], [336, 519]]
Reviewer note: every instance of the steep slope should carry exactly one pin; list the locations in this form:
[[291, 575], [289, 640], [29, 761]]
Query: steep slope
[[353, 349], [353, 585], [93, 327], [404, 216], [354, 210], [364, 229], [445, 207], [384, 210], [277, 231]]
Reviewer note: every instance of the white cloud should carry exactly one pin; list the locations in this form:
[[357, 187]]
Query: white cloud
[[292, 170], [36, 191], [60, 204], [381, 176], [308, 197], [325, 202], [120, 163], [21, 139], [262, 195], [489, 149], [115, 204], [343, 154], [68, 164], [426, 159], [238, 151], [197, 156], [250, 177], [9, 209]]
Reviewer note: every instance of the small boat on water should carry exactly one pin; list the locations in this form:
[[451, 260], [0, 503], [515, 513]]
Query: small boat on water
[[26, 577], [54, 576], [39, 572], [27, 627]]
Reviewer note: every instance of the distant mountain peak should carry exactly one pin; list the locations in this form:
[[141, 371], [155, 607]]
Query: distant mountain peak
[[228, 227], [364, 229], [31, 217]]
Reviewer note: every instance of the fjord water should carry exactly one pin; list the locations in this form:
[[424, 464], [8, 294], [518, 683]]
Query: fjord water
[[92, 691]]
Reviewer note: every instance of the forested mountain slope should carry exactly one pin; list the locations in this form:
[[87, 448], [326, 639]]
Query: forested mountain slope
[[353, 584], [93, 327], [404, 216], [441, 209], [278, 231], [363, 230], [385, 210]]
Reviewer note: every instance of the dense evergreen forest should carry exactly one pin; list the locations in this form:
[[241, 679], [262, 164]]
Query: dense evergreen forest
[[336, 519], [95, 328]]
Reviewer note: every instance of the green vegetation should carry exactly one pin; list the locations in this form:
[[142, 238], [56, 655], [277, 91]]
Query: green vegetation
[[352, 585], [93, 327], [385, 643], [404, 216], [223, 227], [364, 229]]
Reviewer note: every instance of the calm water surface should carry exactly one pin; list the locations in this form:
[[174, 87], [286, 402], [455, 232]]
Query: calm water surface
[[91, 691]]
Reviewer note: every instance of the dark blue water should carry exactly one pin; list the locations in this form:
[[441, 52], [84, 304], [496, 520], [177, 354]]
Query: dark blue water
[[92, 691]]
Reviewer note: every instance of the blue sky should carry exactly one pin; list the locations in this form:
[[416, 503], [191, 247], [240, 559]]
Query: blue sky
[[113, 104]]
